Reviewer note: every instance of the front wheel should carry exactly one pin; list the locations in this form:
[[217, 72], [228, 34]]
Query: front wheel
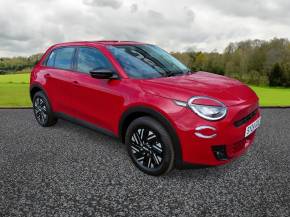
[[150, 146], [42, 110]]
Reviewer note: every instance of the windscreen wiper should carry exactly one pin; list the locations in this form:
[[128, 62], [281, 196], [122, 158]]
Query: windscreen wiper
[[173, 73]]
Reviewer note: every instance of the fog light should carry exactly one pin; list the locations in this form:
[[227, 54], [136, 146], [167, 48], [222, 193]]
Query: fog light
[[220, 152]]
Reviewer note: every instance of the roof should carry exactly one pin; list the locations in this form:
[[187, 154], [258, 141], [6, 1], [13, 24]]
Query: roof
[[113, 42], [101, 42]]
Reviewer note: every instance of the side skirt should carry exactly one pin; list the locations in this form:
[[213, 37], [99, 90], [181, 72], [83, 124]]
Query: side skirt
[[85, 124]]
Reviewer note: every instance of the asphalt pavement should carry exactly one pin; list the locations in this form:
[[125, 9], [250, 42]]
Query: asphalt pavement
[[69, 170]]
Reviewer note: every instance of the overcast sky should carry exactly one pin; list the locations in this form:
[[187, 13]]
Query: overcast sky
[[30, 26]]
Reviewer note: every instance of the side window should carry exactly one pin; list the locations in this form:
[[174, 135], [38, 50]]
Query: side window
[[90, 59], [63, 58], [50, 60]]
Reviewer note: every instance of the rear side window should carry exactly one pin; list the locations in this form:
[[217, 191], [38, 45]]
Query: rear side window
[[61, 58], [91, 59], [50, 60]]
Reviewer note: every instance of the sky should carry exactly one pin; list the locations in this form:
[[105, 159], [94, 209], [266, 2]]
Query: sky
[[31, 26]]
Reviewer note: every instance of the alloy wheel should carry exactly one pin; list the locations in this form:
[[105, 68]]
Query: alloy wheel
[[147, 148], [40, 110]]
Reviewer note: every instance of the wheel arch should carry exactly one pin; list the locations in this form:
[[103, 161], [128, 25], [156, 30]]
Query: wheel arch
[[34, 89], [132, 113]]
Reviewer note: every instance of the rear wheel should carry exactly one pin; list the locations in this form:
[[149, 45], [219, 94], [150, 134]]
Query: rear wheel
[[150, 146], [42, 110]]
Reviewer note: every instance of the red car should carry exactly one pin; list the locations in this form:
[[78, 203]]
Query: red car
[[167, 115]]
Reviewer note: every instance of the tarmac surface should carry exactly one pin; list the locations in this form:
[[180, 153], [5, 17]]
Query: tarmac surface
[[69, 170]]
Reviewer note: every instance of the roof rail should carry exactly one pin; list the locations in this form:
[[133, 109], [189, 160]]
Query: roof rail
[[107, 41]]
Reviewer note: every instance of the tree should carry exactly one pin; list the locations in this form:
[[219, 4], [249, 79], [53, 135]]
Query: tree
[[276, 76]]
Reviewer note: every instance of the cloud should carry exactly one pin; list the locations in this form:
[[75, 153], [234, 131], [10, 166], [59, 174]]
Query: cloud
[[271, 10], [134, 8], [115, 4], [31, 26], [190, 14]]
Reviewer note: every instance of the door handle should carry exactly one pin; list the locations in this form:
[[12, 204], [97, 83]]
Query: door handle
[[76, 83], [47, 75]]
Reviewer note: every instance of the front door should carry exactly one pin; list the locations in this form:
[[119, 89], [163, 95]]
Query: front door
[[99, 100]]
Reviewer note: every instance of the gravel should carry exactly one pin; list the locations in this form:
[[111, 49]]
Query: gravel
[[68, 170]]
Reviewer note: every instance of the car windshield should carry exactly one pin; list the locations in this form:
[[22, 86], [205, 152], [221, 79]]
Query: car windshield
[[147, 61]]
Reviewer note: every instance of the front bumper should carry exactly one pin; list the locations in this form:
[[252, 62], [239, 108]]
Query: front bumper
[[230, 138]]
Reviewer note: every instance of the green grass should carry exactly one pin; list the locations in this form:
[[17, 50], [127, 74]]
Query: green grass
[[14, 95], [14, 92], [273, 96], [15, 78]]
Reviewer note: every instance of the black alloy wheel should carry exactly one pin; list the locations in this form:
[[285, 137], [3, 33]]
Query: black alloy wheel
[[42, 110], [150, 146], [147, 148]]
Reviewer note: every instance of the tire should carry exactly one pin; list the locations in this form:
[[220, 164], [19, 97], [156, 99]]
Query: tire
[[42, 110], [150, 146]]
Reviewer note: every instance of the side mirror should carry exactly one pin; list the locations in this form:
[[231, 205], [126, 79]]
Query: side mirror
[[103, 74]]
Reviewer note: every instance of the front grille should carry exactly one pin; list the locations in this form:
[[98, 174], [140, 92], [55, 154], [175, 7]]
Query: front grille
[[245, 119]]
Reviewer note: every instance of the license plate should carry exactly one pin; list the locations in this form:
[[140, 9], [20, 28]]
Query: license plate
[[252, 127]]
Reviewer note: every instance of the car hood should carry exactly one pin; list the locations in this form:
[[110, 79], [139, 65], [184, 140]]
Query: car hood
[[227, 90]]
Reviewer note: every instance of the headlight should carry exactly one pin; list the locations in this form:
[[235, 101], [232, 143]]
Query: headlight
[[207, 108]]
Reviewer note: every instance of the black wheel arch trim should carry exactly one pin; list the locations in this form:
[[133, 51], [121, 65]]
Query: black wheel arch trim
[[144, 110], [41, 89], [33, 86]]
